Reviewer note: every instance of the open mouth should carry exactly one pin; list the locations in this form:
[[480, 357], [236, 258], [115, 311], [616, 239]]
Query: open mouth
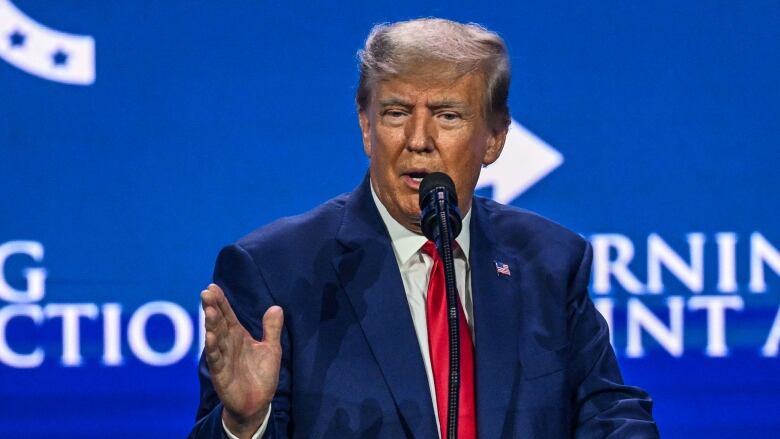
[[417, 176]]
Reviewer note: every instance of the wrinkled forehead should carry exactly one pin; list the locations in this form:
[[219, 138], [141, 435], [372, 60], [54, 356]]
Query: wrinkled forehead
[[432, 83]]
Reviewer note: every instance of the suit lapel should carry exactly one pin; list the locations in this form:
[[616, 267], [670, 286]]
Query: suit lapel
[[369, 274], [497, 316]]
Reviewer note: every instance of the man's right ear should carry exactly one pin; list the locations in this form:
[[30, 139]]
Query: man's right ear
[[365, 129]]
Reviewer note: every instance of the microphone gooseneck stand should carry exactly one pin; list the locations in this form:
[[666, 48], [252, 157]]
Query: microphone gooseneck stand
[[444, 246], [441, 223]]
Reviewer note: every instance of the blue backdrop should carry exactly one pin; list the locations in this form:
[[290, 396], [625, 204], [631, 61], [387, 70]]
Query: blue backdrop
[[138, 137]]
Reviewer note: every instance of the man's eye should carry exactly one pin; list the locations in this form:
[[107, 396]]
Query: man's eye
[[450, 117], [394, 113]]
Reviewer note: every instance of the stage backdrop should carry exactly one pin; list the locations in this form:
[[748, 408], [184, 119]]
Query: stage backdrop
[[138, 137]]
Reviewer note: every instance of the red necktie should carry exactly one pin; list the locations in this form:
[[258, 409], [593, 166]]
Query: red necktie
[[439, 346]]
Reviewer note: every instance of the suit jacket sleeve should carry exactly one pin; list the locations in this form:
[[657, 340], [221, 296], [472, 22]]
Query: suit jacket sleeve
[[604, 406], [246, 290]]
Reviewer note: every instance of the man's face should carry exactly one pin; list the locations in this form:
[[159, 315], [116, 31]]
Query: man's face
[[413, 127]]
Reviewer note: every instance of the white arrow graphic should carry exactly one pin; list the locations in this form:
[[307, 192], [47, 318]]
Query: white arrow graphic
[[525, 160], [45, 52]]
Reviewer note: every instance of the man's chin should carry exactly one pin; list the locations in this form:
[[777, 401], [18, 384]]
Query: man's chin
[[412, 221]]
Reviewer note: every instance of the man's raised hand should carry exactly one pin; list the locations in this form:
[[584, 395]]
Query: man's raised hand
[[244, 372]]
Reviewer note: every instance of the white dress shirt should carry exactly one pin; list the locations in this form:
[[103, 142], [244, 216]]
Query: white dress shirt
[[415, 267]]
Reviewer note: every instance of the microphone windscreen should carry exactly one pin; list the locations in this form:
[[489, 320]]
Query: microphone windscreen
[[434, 180]]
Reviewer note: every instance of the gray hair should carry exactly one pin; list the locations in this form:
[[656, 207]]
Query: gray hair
[[409, 46]]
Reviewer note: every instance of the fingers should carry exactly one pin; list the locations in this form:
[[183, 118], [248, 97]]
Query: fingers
[[214, 297], [222, 303], [213, 355], [273, 319], [215, 321], [220, 317], [217, 330]]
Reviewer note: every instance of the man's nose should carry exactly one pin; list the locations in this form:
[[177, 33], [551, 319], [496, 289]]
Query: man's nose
[[420, 132]]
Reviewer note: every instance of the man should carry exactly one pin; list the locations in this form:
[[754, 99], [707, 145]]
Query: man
[[354, 353]]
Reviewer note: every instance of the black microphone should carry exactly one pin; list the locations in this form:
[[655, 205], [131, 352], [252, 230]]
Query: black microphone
[[438, 196], [441, 223]]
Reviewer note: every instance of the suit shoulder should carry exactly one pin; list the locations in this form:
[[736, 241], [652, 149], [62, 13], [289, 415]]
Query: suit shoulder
[[526, 228], [300, 231]]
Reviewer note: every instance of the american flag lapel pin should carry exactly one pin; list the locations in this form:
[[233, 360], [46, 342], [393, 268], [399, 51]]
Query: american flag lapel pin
[[502, 269]]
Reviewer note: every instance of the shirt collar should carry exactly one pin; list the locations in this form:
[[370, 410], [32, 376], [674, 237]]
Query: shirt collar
[[406, 243]]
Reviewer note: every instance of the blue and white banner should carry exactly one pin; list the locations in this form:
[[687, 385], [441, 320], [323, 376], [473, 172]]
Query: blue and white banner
[[138, 138]]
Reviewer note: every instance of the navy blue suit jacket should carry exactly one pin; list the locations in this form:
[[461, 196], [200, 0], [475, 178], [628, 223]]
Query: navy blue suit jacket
[[351, 363]]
